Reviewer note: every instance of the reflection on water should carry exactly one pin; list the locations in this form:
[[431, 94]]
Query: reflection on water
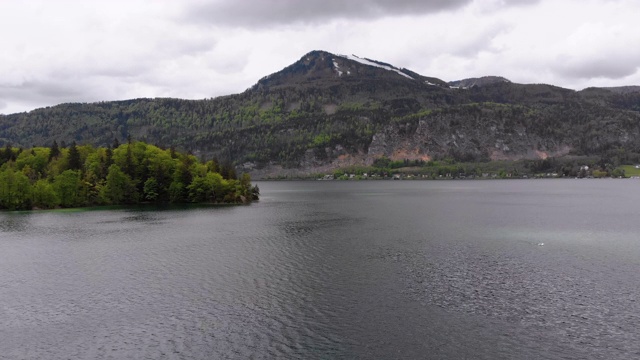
[[318, 270], [12, 223]]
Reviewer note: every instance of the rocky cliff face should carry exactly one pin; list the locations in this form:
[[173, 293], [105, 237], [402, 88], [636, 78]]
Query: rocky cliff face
[[475, 140]]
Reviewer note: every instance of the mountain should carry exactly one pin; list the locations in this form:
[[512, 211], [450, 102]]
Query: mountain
[[327, 111], [481, 81]]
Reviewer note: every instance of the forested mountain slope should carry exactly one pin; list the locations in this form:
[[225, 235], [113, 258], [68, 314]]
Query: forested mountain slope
[[326, 111]]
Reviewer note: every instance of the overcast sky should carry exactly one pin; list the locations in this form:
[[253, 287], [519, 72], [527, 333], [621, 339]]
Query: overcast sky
[[84, 51]]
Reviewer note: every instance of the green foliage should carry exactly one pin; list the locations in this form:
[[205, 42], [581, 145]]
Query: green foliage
[[150, 189], [54, 151], [321, 140], [44, 195], [201, 188], [119, 187], [15, 190], [74, 157], [67, 186], [129, 174], [599, 174], [386, 163], [176, 192], [628, 170], [413, 117], [618, 173]]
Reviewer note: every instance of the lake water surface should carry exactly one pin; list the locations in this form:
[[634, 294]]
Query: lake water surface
[[517, 269]]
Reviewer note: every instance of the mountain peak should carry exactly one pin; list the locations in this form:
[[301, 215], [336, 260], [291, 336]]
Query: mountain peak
[[478, 81], [319, 66]]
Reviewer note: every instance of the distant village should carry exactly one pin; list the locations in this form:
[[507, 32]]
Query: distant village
[[585, 173]]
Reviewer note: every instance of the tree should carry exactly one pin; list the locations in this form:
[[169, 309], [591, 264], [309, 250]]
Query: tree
[[228, 171], [176, 192], [617, 173], [129, 166], [119, 188], [6, 188], [30, 179], [36, 160], [74, 157], [15, 190], [67, 186], [44, 196], [220, 186], [212, 165], [161, 167], [151, 189], [54, 151], [201, 189], [22, 188], [108, 157], [7, 154], [245, 179]]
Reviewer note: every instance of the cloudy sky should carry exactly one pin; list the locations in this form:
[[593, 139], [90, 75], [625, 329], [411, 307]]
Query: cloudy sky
[[84, 51]]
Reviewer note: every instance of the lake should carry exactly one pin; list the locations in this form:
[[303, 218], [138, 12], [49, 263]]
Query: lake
[[511, 269]]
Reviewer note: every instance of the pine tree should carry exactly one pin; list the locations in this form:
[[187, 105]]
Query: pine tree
[[74, 157], [54, 151]]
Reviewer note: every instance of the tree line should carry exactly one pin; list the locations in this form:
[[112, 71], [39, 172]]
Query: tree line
[[130, 173]]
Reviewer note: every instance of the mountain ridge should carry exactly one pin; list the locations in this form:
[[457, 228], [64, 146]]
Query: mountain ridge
[[325, 111]]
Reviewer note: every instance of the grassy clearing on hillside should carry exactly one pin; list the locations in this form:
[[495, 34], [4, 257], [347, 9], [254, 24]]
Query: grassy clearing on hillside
[[630, 170]]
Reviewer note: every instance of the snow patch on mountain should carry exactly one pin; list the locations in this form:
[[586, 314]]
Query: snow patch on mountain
[[371, 63], [337, 67]]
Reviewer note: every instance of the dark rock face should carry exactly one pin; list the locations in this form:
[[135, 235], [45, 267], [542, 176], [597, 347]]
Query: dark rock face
[[464, 138]]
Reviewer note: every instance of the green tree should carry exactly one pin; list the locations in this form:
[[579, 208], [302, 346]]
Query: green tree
[[616, 173], [23, 191], [119, 188], [201, 188], [36, 160], [54, 151], [15, 190], [151, 189], [68, 188], [28, 177], [221, 186], [161, 167], [74, 157], [176, 192], [44, 196]]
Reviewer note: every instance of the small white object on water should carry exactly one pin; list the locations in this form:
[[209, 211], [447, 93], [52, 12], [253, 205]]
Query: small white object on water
[[540, 244]]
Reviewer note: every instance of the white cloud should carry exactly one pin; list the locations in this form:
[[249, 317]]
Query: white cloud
[[260, 13], [600, 50], [82, 51]]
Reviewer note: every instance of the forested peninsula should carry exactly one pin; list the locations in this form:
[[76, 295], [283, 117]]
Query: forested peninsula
[[119, 174]]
